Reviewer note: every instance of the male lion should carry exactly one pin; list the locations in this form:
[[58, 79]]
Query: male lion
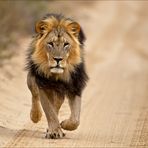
[[55, 64]]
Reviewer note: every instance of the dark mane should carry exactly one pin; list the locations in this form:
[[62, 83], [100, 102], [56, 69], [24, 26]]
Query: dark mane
[[73, 87], [59, 17]]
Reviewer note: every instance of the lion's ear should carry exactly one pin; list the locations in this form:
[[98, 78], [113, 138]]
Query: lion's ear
[[41, 27], [74, 28]]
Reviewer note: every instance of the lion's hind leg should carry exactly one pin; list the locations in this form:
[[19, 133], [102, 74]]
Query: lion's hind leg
[[36, 112]]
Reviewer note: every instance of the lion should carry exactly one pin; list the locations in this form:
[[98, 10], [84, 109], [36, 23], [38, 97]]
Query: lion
[[56, 69]]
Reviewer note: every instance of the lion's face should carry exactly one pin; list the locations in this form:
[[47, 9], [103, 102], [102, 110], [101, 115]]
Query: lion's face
[[57, 48]]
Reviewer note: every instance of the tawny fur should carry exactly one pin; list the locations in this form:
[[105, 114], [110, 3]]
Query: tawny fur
[[56, 69]]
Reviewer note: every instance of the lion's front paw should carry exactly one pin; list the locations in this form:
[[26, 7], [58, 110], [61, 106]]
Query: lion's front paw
[[54, 134], [69, 124], [35, 115]]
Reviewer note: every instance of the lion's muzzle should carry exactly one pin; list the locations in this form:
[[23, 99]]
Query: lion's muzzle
[[58, 59], [57, 69]]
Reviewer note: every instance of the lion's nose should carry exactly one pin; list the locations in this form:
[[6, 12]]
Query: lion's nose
[[58, 59]]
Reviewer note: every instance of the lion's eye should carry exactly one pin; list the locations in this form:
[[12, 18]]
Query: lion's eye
[[66, 45], [50, 44]]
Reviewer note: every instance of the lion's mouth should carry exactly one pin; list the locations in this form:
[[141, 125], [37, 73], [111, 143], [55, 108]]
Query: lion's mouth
[[57, 69]]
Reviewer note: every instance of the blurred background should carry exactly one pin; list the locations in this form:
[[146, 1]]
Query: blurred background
[[18, 19], [115, 102]]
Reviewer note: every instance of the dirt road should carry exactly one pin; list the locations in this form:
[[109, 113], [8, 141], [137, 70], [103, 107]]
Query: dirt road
[[115, 102]]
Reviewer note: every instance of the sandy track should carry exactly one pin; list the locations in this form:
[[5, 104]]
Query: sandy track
[[115, 102]]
